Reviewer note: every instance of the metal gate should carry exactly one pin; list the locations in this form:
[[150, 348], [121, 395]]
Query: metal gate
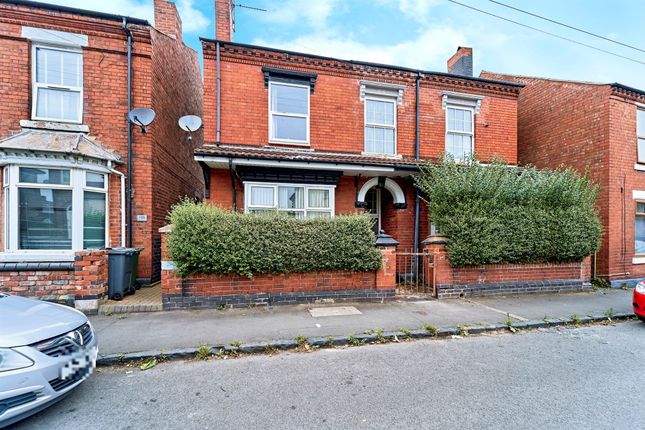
[[415, 273]]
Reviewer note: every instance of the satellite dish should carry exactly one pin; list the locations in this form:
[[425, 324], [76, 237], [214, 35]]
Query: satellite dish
[[190, 123], [142, 117]]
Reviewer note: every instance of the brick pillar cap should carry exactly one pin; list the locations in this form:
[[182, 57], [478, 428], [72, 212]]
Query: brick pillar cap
[[383, 240], [435, 239], [166, 229]]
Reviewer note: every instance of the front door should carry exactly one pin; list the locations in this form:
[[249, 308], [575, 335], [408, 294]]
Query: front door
[[373, 207]]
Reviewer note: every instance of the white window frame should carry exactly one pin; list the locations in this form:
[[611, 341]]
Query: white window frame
[[36, 85], [77, 185], [306, 208], [461, 132], [640, 158], [290, 114], [392, 100]]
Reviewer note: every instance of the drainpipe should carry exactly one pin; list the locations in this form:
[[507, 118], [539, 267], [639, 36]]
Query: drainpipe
[[416, 157], [219, 80], [129, 102], [122, 194], [233, 191]]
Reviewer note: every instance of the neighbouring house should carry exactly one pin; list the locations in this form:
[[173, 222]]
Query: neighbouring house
[[315, 136], [76, 175], [600, 129]]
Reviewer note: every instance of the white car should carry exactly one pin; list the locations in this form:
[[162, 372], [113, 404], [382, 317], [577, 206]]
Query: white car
[[46, 350]]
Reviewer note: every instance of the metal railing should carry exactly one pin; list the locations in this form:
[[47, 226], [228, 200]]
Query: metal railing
[[415, 273]]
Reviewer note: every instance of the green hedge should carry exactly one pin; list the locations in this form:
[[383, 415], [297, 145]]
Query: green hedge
[[208, 239], [496, 214]]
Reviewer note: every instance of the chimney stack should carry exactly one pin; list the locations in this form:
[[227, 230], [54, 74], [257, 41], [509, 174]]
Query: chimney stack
[[462, 62], [167, 19], [224, 20]]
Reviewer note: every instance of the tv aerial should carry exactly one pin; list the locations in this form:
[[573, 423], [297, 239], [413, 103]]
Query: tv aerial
[[142, 117], [190, 123]]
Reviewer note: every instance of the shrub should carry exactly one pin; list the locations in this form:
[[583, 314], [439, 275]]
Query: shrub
[[208, 239], [500, 214]]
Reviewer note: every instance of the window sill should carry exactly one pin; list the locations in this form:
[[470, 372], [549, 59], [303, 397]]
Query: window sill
[[638, 260], [640, 167], [53, 125], [285, 142], [15, 257], [377, 154]]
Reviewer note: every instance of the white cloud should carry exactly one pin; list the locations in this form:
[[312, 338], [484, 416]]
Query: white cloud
[[315, 13], [193, 20]]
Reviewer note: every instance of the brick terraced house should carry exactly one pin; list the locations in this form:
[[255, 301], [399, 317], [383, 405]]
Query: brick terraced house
[[315, 136], [69, 78], [599, 128]]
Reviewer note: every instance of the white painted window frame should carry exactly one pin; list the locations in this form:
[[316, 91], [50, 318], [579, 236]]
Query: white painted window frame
[[77, 185], [275, 185], [392, 100], [640, 158], [273, 139], [36, 85], [460, 132], [637, 214]]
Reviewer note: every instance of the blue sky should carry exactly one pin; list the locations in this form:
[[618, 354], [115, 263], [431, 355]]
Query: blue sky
[[425, 33]]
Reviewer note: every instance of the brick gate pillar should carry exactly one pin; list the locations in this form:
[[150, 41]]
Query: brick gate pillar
[[170, 279], [386, 275], [435, 245]]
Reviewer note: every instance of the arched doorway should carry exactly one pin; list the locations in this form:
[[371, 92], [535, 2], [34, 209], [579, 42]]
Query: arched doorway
[[378, 196]]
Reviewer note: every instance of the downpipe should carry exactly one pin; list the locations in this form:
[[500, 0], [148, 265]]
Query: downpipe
[[129, 103]]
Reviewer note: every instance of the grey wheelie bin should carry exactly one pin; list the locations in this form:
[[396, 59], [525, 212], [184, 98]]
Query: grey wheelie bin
[[120, 262]]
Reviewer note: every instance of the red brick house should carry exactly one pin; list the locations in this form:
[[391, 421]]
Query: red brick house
[[599, 128], [315, 136], [76, 174]]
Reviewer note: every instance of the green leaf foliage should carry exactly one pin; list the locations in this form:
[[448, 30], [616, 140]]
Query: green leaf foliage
[[208, 239], [499, 214]]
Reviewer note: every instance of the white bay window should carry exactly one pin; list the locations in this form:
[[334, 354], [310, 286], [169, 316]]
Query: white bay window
[[57, 82], [296, 200], [54, 209]]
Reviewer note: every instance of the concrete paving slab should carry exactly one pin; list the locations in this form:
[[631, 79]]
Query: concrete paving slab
[[333, 311], [185, 329], [561, 305]]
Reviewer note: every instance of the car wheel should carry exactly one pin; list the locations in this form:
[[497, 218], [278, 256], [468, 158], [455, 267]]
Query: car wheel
[[641, 318]]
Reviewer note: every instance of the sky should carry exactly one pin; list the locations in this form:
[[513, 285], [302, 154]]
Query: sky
[[425, 33]]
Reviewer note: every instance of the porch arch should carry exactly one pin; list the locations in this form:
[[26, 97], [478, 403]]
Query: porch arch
[[397, 193]]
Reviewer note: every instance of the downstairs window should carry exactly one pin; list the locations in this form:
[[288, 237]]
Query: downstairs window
[[296, 200]]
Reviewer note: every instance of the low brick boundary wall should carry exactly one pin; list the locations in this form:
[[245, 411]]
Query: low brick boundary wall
[[80, 283], [216, 290], [496, 279]]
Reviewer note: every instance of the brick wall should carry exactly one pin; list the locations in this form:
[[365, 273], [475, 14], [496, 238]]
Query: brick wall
[[492, 279], [212, 290], [86, 279], [336, 111]]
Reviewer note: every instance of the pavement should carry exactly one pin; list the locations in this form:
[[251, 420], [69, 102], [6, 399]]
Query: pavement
[[176, 330], [573, 378]]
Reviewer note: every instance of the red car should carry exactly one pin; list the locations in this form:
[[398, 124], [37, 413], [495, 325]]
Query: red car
[[639, 300]]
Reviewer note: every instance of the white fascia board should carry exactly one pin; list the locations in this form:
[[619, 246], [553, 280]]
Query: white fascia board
[[293, 164]]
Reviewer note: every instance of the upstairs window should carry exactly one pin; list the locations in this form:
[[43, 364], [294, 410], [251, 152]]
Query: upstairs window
[[289, 113], [57, 84], [380, 99], [460, 134], [380, 125], [460, 110], [640, 131]]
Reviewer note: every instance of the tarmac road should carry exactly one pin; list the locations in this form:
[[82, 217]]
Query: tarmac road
[[591, 377]]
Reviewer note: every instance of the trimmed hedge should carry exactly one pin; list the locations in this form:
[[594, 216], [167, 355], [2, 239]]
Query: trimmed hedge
[[207, 239], [499, 214]]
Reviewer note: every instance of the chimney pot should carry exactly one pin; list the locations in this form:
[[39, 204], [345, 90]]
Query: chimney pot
[[462, 62]]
